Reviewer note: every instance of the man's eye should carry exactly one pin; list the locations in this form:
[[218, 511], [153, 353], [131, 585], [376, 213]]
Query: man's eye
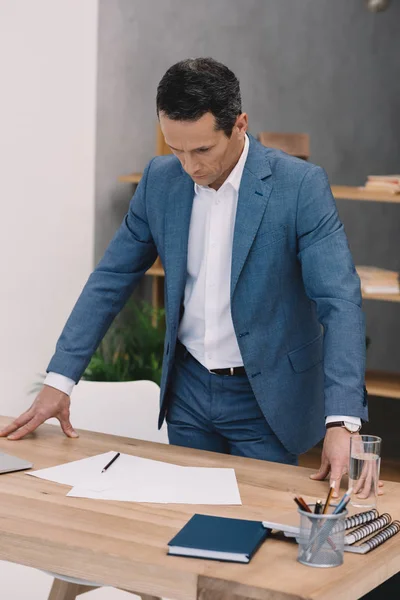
[[202, 150]]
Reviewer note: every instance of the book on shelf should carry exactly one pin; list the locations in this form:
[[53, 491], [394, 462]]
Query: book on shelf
[[383, 183], [378, 281], [369, 528]]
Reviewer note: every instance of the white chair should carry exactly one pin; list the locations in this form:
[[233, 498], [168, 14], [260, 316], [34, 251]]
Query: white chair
[[127, 409]]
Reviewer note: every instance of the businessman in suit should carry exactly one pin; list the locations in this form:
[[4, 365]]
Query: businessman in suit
[[265, 338]]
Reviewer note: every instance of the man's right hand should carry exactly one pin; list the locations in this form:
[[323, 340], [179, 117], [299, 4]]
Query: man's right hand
[[48, 403]]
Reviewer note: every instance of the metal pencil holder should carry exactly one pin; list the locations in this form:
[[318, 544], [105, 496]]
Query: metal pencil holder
[[321, 540]]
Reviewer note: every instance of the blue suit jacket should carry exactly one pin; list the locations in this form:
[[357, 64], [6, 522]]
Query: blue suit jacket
[[295, 294]]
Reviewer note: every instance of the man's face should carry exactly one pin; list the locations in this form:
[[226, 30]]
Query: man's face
[[207, 155]]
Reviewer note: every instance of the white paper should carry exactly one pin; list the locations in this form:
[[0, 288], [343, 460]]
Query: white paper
[[128, 471], [182, 485], [77, 472], [135, 479]]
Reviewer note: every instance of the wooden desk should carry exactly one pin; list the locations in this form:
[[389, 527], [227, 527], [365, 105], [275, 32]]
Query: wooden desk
[[124, 544]]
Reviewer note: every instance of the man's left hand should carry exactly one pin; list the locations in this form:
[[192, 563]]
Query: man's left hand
[[335, 458]]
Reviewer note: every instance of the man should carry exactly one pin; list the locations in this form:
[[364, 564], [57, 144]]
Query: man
[[265, 340]]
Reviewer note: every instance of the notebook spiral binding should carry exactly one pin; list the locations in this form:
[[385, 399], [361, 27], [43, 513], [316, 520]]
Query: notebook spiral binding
[[365, 530], [383, 535], [361, 518]]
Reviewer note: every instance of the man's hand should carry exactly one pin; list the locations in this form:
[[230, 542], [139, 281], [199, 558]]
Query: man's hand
[[48, 403], [335, 458]]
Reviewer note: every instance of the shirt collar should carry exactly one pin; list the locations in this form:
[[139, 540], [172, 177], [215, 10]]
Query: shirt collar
[[235, 176]]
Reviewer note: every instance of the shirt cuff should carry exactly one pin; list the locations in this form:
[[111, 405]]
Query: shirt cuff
[[333, 418], [60, 382]]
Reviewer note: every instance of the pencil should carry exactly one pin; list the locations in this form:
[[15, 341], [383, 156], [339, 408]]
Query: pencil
[[304, 503], [344, 502], [111, 462], [301, 504], [328, 499]]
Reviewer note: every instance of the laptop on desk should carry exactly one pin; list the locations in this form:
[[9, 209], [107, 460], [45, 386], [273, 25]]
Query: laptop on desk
[[9, 463]]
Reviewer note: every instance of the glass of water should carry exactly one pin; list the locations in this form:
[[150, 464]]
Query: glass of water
[[365, 462]]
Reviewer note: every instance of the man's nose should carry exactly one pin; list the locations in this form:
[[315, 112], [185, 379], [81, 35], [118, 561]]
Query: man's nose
[[191, 165]]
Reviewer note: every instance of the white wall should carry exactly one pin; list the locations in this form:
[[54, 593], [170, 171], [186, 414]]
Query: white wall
[[48, 56]]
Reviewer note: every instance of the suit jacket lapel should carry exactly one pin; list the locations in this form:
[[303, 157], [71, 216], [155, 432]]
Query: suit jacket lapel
[[254, 193], [177, 221]]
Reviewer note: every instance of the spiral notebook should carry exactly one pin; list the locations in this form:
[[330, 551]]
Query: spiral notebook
[[360, 526]]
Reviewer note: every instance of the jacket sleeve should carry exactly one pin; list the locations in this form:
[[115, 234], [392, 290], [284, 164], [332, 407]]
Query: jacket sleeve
[[331, 281], [130, 253]]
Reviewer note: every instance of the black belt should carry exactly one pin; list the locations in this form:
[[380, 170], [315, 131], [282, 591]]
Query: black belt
[[182, 351], [229, 371]]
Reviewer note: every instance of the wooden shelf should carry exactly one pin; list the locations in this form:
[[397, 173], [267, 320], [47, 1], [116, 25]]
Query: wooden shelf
[[156, 272], [342, 192], [385, 297], [380, 383], [132, 178], [345, 192]]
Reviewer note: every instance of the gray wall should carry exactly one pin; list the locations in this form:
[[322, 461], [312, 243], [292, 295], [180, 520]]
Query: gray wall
[[326, 67]]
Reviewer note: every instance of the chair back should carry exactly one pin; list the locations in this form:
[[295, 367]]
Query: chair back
[[295, 144], [126, 408]]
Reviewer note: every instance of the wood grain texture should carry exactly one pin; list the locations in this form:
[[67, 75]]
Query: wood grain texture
[[383, 297], [346, 192], [63, 590], [131, 178], [295, 144], [125, 544], [383, 384]]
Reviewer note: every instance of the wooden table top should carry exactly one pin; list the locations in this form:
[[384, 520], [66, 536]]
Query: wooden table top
[[125, 544]]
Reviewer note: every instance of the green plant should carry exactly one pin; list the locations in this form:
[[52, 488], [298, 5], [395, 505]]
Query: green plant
[[132, 348]]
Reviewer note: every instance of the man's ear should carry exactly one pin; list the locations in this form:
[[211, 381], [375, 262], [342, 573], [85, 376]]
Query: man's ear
[[242, 124]]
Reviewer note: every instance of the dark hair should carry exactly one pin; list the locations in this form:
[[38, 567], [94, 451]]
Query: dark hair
[[195, 86]]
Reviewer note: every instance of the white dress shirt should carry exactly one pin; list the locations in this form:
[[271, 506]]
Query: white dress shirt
[[206, 328]]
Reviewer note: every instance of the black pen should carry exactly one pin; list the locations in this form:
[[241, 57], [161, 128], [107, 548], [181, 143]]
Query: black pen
[[111, 462], [318, 507]]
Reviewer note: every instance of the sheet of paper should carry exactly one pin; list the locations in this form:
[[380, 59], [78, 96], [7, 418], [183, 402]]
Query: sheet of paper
[[128, 470], [182, 485], [136, 479], [77, 472]]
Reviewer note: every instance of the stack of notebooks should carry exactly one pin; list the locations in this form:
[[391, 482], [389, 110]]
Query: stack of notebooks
[[383, 183], [378, 281], [237, 540], [369, 528]]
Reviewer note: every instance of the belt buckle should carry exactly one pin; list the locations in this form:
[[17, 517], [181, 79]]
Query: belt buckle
[[231, 371]]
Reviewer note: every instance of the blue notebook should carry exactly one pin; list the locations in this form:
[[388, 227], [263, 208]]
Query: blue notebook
[[218, 538]]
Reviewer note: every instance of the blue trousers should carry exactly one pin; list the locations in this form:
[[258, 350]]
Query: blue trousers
[[218, 413]]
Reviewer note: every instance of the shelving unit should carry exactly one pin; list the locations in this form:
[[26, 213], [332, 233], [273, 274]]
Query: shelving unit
[[378, 383]]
